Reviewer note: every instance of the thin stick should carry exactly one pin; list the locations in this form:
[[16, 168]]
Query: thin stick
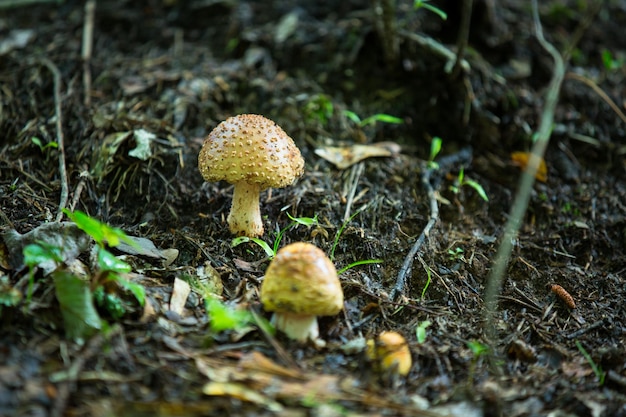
[[78, 191], [93, 348], [355, 174], [430, 179], [432, 220], [604, 96], [461, 42], [87, 47], [520, 204], [60, 141]]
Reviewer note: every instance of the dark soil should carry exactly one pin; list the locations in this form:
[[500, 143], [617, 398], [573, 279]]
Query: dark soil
[[176, 69]]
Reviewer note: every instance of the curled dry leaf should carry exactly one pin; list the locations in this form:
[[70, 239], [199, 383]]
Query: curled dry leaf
[[345, 157], [521, 159]]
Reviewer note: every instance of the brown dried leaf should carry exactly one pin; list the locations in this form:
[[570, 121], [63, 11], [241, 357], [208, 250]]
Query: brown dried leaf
[[521, 159], [240, 392], [180, 292], [345, 157]]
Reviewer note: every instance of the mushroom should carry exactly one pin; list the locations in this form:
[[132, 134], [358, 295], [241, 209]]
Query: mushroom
[[253, 153], [300, 284], [390, 354]]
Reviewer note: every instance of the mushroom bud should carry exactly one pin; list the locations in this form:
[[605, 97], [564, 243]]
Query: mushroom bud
[[253, 153], [390, 354], [300, 284]]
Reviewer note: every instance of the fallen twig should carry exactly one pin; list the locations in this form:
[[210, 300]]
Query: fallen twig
[[604, 96], [58, 115], [93, 348], [430, 182], [432, 219]]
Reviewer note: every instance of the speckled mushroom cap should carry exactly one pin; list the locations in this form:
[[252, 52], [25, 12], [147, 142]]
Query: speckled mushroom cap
[[302, 280], [250, 148]]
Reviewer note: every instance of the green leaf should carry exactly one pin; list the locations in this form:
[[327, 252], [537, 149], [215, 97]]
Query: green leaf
[[380, 117], [417, 4], [100, 232], [113, 304], [420, 331], [597, 369], [352, 116], [38, 253], [357, 263], [243, 239], [134, 288], [80, 317], [224, 318], [477, 348], [109, 262], [479, 188], [435, 148], [305, 221], [37, 142], [428, 281]]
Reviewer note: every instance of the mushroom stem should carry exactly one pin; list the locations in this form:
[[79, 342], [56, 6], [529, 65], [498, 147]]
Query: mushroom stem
[[245, 214], [298, 327]]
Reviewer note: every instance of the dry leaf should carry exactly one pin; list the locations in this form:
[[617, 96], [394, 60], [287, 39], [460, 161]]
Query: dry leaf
[[149, 313], [179, 296], [210, 278], [345, 157], [241, 392], [256, 361], [521, 159]]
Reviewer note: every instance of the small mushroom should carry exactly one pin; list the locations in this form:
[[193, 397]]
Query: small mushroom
[[300, 284], [390, 354], [253, 153]]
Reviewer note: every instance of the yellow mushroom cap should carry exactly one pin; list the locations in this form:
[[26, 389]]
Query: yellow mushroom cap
[[301, 280], [250, 148], [390, 352]]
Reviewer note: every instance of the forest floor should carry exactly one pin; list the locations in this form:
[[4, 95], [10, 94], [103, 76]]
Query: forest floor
[[160, 75]]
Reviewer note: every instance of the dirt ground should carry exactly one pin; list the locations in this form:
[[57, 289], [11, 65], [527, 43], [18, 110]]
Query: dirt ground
[[172, 70]]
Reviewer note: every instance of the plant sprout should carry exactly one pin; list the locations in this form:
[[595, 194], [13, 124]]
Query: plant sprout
[[420, 331], [270, 251], [418, 4], [379, 117]]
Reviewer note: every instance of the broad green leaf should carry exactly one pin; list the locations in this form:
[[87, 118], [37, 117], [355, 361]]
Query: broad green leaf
[[113, 304], [305, 221], [100, 232], [80, 317], [223, 317], [109, 262], [39, 253], [136, 289]]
